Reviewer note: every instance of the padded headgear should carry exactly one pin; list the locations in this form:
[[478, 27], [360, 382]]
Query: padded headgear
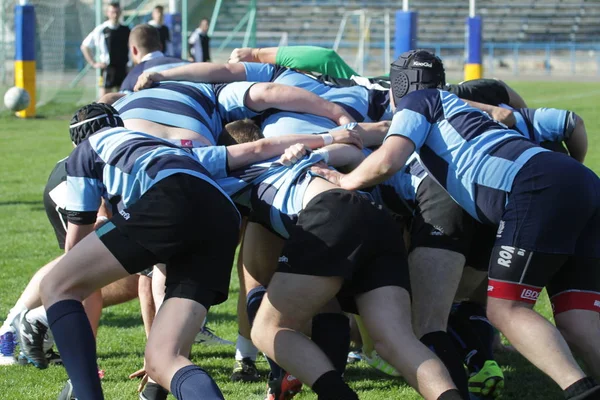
[[90, 119], [416, 70]]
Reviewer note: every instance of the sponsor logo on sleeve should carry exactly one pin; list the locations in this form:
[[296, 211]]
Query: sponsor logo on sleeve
[[506, 255], [597, 303], [490, 288]]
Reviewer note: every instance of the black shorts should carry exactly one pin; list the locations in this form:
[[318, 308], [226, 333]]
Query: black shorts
[[439, 222], [186, 223], [341, 233], [549, 232], [486, 91], [113, 76]]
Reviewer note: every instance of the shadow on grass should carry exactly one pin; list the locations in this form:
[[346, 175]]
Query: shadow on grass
[[37, 203]]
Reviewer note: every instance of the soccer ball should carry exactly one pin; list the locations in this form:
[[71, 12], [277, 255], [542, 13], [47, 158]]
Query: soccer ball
[[16, 99]]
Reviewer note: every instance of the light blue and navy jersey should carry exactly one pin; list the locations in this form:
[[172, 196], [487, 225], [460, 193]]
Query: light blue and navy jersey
[[362, 104], [153, 65], [120, 165], [544, 124], [184, 105], [273, 191], [473, 157]]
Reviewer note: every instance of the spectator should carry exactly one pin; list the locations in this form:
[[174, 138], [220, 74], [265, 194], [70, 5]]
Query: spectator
[[200, 42], [158, 16], [109, 40]]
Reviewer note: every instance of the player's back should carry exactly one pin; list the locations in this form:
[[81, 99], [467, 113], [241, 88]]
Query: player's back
[[184, 105], [473, 157], [156, 64], [121, 165]]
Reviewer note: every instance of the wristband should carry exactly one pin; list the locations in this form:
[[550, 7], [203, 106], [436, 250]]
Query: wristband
[[327, 139]]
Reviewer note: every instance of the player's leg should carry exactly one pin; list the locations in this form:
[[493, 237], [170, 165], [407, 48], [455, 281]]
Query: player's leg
[[386, 314], [552, 199], [440, 237], [63, 289], [284, 312], [147, 306]]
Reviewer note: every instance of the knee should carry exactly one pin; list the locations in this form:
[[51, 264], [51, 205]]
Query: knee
[[498, 313], [154, 358]]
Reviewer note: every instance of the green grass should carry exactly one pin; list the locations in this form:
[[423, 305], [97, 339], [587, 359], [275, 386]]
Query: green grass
[[28, 151]]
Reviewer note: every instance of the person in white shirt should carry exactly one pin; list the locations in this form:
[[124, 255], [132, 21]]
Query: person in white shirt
[[109, 40], [200, 42]]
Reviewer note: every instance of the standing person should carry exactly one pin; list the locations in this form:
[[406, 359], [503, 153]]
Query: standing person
[[157, 21], [112, 53], [200, 42]]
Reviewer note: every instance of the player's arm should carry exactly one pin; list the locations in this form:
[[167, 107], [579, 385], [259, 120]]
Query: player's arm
[[263, 96], [378, 167], [373, 133], [87, 46], [500, 114], [342, 156], [265, 55], [240, 155], [577, 143], [194, 72]]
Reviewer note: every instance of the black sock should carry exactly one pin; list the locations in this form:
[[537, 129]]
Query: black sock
[[473, 352], [253, 301], [441, 344], [331, 332], [451, 394], [75, 341], [190, 381], [585, 388], [153, 391], [331, 386], [475, 316]]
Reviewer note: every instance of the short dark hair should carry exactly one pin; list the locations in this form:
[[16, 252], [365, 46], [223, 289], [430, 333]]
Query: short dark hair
[[160, 8], [145, 37], [237, 132], [115, 4]]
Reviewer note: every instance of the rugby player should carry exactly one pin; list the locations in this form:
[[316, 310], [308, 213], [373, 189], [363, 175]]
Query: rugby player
[[503, 180]]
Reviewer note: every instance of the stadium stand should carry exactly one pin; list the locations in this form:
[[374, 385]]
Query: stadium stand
[[316, 22]]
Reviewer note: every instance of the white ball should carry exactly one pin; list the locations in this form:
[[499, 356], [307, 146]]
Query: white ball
[[16, 99]]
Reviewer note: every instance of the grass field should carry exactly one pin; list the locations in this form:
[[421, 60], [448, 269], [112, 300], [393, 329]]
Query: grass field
[[28, 151]]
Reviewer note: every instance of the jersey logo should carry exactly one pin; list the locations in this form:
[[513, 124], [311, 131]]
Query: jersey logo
[[490, 288], [125, 214], [529, 294], [283, 259], [506, 255], [597, 303]]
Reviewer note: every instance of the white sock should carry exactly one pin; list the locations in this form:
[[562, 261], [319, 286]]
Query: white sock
[[244, 348], [37, 314], [12, 315]]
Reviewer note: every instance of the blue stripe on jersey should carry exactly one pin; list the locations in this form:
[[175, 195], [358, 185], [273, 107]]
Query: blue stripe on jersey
[[276, 191], [122, 165], [153, 65], [184, 105], [231, 101], [543, 124], [463, 149]]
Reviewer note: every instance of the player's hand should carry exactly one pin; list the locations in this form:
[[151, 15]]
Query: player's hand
[[348, 136], [146, 80], [292, 154], [99, 65], [331, 175], [504, 116], [140, 373], [240, 55]]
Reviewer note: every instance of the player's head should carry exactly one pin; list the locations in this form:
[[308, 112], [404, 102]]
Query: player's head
[[92, 118], [203, 24], [237, 132], [143, 39], [113, 12], [158, 14], [416, 70]]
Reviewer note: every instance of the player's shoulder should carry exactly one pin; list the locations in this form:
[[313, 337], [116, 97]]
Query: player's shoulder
[[427, 102]]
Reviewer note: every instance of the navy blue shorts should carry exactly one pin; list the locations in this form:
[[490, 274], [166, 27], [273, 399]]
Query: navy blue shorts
[[549, 235]]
